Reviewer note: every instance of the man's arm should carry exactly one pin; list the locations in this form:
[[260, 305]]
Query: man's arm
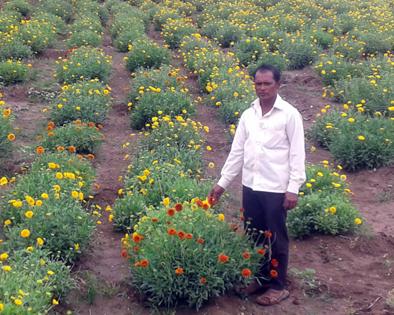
[[295, 134], [233, 164]]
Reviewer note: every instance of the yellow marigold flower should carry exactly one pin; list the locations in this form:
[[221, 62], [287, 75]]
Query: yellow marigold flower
[[7, 268], [18, 302], [3, 181], [391, 108], [55, 302], [343, 177], [110, 218], [40, 241], [3, 256], [209, 148], [333, 210], [320, 174], [221, 217], [17, 203], [25, 233], [358, 221], [7, 222], [166, 201], [44, 196], [50, 273], [1, 307], [29, 214], [361, 138], [81, 196], [11, 137], [52, 165], [75, 194], [59, 175], [29, 248], [325, 162], [211, 165], [351, 120]]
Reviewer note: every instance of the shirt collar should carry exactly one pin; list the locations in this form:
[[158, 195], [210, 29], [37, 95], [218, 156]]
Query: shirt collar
[[257, 108]]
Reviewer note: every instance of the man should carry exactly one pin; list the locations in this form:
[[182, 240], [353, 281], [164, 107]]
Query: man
[[269, 148]]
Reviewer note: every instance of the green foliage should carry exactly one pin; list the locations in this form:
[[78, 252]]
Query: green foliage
[[169, 102], [87, 101], [13, 72], [84, 63], [322, 212], [84, 138], [61, 8], [299, 51], [21, 6], [38, 34], [84, 38], [248, 50], [13, 48], [60, 222], [175, 30], [200, 256], [162, 15], [127, 212], [146, 54], [34, 279]]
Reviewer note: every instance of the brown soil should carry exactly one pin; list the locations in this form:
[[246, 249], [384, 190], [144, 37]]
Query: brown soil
[[353, 273]]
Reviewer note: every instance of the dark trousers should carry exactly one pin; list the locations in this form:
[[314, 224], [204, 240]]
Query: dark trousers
[[263, 211]]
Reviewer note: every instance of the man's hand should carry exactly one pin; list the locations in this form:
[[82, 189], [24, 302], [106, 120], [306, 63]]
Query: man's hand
[[215, 194], [290, 201]]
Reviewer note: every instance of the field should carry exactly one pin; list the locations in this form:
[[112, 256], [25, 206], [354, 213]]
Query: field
[[117, 117]]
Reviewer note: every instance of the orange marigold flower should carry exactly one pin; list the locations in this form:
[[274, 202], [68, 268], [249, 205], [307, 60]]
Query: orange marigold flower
[[171, 231], [50, 134], [51, 125], [199, 203], [137, 237], [178, 207], [40, 150], [11, 137], [171, 212], [268, 234], [223, 258], [200, 240], [246, 272], [189, 236], [136, 248], [72, 149], [181, 235], [91, 124], [246, 255], [154, 220], [144, 263], [273, 273], [124, 253], [274, 262], [203, 280], [261, 251], [60, 148], [90, 156], [179, 271]]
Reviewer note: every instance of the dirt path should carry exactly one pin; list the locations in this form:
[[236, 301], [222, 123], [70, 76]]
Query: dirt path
[[102, 272]]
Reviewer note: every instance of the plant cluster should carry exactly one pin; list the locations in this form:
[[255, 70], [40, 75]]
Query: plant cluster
[[7, 133], [324, 206], [12, 71]]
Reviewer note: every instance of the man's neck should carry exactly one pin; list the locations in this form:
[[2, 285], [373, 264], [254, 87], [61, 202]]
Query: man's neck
[[267, 105]]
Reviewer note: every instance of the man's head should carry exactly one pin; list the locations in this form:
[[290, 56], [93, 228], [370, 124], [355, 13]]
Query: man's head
[[267, 83]]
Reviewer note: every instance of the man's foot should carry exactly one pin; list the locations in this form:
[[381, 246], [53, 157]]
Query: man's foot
[[272, 297]]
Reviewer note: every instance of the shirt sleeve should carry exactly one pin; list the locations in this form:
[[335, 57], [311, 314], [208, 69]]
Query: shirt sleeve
[[234, 162], [295, 134]]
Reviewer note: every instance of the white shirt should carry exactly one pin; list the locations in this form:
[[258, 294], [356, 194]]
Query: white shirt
[[269, 149]]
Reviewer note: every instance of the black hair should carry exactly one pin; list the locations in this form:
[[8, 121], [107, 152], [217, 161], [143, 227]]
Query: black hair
[[266, 67]]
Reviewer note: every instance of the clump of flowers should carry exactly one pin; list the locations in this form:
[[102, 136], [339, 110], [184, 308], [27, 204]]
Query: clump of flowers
[[200, 255], [7, 135]]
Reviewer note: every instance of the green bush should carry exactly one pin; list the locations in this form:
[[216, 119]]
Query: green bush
[[271, 58], [61, 8], [55, 20], [248, 50], [62, 223], [38, 34], [162, 15], [128, 211], [13, 48], [34, 279], [175, 30], [87, 101], [78, 137], [168, 102], [200, 256], [21, 6], [166, 77], [146, 54], [13, 72], [324, 213], [84, 38], [380, 42], [299, 51], [366, 143], [84, 63]]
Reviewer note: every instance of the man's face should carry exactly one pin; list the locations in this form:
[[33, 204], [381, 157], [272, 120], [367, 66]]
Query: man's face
[[265, 85]]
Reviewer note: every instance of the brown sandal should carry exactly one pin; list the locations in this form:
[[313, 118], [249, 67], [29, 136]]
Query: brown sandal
[[272, 297]]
